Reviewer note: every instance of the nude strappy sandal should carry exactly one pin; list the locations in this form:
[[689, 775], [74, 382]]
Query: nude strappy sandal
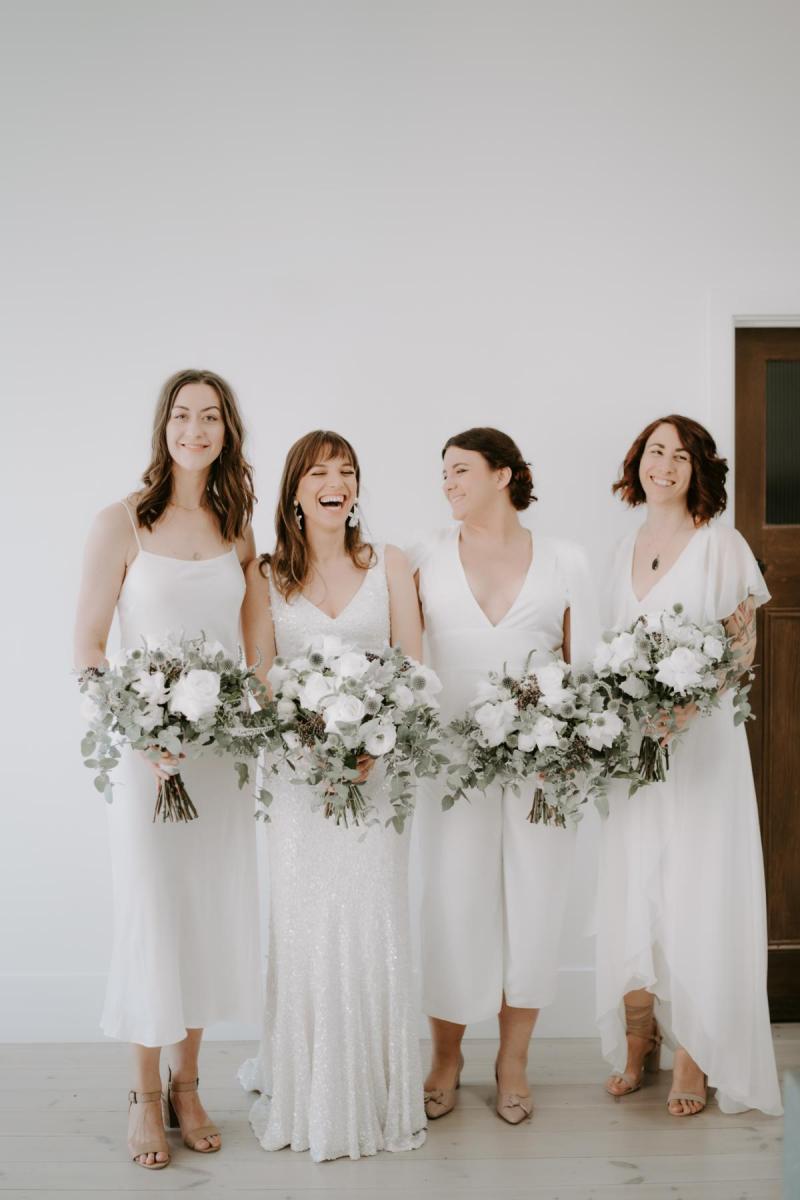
[[440, 1101], [138, 1146], [191, 1136], [639, 1021], [701, 1100]]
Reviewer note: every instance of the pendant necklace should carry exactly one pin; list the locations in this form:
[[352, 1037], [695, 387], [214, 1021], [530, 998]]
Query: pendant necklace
[[654, 565]]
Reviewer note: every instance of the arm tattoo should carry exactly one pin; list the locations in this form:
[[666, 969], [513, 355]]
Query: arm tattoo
[[741, 627]]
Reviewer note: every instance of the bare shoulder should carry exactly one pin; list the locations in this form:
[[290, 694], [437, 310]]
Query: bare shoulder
[[113, 523], [246, 548], [396, 561]]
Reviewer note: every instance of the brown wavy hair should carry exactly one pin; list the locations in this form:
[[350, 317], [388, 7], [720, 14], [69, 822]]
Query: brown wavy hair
[[229, 490], [290, 560], [706, 497], [500, 451]]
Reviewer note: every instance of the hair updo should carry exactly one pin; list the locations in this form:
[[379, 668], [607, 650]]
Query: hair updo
[[499, 450]]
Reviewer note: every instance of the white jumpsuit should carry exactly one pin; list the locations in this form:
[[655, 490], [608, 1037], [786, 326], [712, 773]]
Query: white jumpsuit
[[494, 886]]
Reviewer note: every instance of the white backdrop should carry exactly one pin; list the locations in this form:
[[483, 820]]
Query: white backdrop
[[390, 217]]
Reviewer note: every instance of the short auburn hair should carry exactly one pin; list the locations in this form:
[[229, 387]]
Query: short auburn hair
[[706, 497]]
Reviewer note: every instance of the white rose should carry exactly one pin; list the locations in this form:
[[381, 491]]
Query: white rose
[[351, 665], [196, 694], [544, 733], [151, 687], [551, 685], [623, 651], [681, 669], [634, 686], [291, 740], [402, 696], [713, 648], [496, 721], [276, 677], [314, 690], [602, 657], [601, 729], [486, 691], [169, 646], [343, 710], [286, 710], [381, 739]]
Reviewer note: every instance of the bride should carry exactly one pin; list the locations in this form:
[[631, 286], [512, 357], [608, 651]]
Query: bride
[[338, 1067]]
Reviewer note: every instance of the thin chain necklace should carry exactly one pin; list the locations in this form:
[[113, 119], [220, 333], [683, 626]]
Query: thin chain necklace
[[654, 565], [183, 508]]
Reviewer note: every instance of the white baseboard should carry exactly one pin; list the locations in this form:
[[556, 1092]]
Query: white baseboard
[[66, 1008]]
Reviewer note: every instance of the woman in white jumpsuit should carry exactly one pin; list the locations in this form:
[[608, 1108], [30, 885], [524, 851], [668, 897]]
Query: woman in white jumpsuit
[[495, 886]]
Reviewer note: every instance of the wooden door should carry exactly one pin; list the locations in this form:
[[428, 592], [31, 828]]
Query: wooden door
[[768, 515]]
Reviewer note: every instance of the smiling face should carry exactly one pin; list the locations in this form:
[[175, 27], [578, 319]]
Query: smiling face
[[665, 469], [327, 492], [195, 430], [470, 485]]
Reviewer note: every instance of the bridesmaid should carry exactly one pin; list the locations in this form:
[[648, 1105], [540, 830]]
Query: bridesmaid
[[681, 907], [170, 558], [495, 886]]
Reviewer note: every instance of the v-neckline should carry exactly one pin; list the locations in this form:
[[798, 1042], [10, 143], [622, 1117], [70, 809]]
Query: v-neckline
[[661, 578], [468, 586], [341, 611]]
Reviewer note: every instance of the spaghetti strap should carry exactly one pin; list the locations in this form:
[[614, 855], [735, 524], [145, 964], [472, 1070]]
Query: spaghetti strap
[[124, 504]]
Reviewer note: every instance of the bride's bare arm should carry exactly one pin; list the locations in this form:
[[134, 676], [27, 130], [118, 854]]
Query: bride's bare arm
[[258, 633], [406, 622], [109, 547]]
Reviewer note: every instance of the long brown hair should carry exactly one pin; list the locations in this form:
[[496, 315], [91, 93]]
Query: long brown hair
[[706, 497], [290, 561], [499, 450], [229, 490]]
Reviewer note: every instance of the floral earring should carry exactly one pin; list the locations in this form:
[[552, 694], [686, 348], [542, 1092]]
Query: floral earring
[[298, 515], [354, 520]]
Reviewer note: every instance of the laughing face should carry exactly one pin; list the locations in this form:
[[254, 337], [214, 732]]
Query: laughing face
[[665, 469], [327, 493], [470, 484], [195, 429]]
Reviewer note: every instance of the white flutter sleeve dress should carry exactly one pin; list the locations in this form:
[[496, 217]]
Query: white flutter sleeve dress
[[338, 1067], [494, 886], [681, 901], [185, 950]]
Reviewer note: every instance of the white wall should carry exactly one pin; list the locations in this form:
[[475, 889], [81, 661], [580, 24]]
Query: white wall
[[392, 218]]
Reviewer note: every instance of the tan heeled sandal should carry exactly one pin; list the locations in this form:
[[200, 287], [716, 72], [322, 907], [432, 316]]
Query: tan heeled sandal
[[138, 1146], [692, 1096], [640, 1022], [172, 1121], [440, 1101]]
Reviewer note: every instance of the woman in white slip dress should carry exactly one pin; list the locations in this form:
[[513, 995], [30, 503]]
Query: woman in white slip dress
[[495, 886], [338, 1067], [185, 950], [680, 915]]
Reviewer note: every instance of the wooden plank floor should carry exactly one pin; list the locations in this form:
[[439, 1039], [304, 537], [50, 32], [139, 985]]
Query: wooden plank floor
[[62, 1135]]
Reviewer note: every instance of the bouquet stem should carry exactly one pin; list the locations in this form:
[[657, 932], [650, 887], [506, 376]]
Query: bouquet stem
[[173, 802], [653, 761], [354, 805], [543, 813]]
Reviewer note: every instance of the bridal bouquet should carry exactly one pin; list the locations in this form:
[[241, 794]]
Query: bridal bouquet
[[180, 696], [660, 664], [561, 729], [335, 704]]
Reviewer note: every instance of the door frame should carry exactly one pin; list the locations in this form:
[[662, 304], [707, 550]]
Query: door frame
[[771, 305]]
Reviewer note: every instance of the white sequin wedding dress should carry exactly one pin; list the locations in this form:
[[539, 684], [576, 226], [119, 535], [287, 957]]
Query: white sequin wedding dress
[[338, 1067]]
